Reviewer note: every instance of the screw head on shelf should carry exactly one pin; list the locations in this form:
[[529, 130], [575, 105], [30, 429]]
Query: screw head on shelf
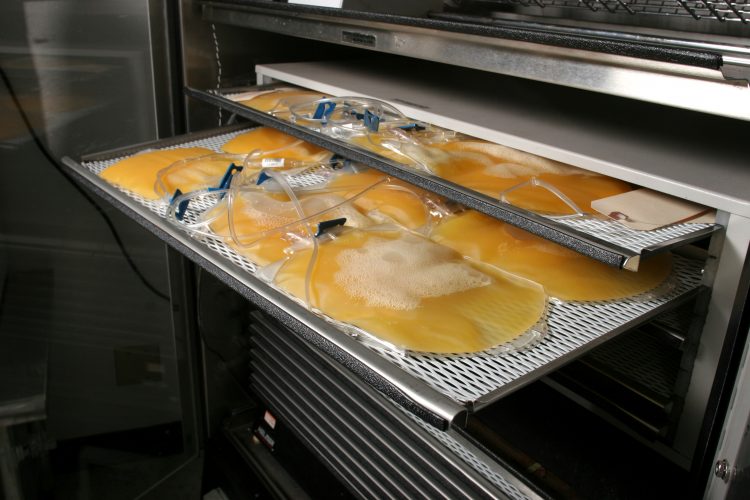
[[722, 470]]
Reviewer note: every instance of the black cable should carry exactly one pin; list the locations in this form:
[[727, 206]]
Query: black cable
[[199, 320], [226, 363], [43, 148]]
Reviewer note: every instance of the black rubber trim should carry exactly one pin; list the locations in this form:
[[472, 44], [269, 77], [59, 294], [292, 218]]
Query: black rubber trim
[[596, 248], [371, 378], [469, 25]]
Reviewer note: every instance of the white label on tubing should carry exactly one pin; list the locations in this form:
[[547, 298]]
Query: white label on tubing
[[246, 96], [272, 162], [320, 3]]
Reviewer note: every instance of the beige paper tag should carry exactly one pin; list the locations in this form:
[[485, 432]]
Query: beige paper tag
[[644, 210]]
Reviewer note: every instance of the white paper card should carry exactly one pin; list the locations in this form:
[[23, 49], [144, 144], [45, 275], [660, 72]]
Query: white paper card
[[645, 210]]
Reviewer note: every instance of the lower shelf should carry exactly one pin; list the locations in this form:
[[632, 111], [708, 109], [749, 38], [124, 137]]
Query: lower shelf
[[438, 389], [377, 449]]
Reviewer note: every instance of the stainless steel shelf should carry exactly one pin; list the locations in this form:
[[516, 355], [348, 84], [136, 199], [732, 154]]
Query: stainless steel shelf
[[238, 273], [692, 156], [605, 241], [438, 389], [671, 70]]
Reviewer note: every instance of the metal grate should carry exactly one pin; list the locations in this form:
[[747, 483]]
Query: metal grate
[[158, 207], [214, 143], [678, 320], [615, 236], [573, 327], [642, 358], [482, 467], [721, 10], [636, 241]]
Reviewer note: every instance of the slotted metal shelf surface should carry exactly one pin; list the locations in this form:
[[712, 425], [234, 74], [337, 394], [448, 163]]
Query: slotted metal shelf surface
[[475, 380], [604, 240], [717, 10]]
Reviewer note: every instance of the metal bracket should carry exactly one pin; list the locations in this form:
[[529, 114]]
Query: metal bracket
[[736, 68]]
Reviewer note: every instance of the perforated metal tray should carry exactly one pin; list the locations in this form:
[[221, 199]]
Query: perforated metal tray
[[438, 389], [711, 10], [606, 241]]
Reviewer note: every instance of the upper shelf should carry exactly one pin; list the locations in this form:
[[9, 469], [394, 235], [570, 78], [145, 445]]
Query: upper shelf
[[688, 155], [437, 388], [606, 241], [688, 72]]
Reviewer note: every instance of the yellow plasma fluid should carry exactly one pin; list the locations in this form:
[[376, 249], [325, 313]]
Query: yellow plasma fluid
[[565, 274], [391, 201], [271, 143], [138, 172], [491, 168], [254, 213], [377, 143], [281, 99], [198, 173], [413, 293]]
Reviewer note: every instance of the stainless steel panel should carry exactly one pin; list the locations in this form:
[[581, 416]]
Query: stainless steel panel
[[84, 282], [616, 75], [352, 448], [386, 431], [368, 430], [358, 480], [650, 146], [354, 394]]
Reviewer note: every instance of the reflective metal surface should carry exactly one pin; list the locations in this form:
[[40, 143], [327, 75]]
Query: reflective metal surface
[[662, 83], [383, 434], [112, 414], [648, 145]]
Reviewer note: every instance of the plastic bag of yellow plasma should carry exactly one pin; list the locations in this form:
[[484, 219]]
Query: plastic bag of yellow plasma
[[406, 146], [565, 274], [492, 169], [262, 226], [264, 142], [208, 171], [414, 294], [138, 173], [385, 199], [278, 101]]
